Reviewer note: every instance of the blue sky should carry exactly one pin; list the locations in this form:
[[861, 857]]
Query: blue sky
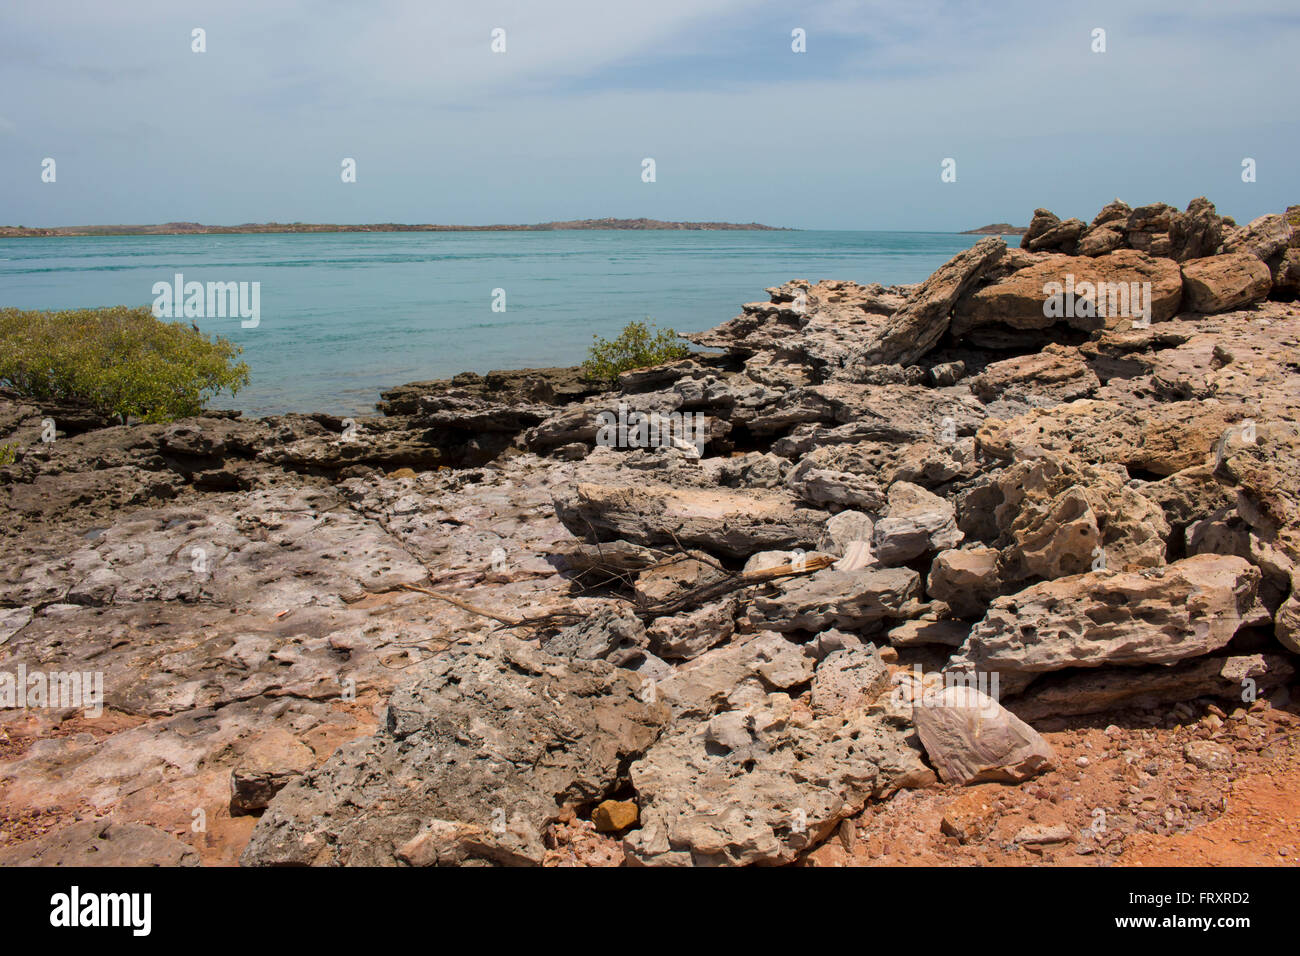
[[849, 135]]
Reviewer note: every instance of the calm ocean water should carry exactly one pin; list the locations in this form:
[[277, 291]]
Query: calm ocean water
[[344, 316]]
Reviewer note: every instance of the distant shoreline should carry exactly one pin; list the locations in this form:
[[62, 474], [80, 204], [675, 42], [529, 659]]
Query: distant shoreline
[[996, 229], [273, 228]]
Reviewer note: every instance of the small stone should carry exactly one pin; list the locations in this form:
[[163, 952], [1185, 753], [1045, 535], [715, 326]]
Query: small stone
[[613, 815], [1038, 835], [848, 835], [1207, 755]]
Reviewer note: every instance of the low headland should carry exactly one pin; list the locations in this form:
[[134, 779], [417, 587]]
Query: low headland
[[198, 229]]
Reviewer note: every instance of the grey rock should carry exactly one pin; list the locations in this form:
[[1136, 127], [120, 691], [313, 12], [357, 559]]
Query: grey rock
[[1110, 689], [922, 632], [723, 521], [915, 521], [848, 599], [101, 843], [965, 580], [735, 675], [844, 529], [689, 634], [1262, 238], [609, 634], [849, 678], [780, 790], [477, 756], [13, 620]]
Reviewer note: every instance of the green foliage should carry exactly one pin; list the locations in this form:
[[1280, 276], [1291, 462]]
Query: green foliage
[[8, 453], [636, 347], [122, 361]]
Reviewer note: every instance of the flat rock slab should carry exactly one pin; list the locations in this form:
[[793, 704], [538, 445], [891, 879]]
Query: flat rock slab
[[735, 523], [101, 843], [1109, 689]]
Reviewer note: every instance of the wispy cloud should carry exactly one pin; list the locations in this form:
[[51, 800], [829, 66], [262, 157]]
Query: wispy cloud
[[847, 135]]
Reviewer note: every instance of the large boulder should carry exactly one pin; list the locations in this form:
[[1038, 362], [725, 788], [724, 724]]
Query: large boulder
[[917, 327], [849, 678], [1265, 467], [1062, 237], [1100, 240], [1043, 222], [1286, 273], [1223, 283], [916, 521], [1059, 516], [1057, 374], [1106, 232], [1161, 230], [965, 580], [1102, 294], [1262, 238]]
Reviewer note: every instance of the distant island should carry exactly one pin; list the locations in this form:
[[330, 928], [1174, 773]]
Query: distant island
[[198, 229], [996, 229]]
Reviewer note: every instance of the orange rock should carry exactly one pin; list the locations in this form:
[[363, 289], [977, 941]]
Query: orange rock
[[614, 815]]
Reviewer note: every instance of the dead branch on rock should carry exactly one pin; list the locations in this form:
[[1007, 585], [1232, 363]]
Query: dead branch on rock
[[733, 581], [463, 605], [736, 582]]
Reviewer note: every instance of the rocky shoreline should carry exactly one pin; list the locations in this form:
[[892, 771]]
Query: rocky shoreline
[[941, 542]]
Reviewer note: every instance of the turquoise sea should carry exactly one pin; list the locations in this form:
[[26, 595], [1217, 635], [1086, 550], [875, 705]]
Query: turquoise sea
[[347, 315]]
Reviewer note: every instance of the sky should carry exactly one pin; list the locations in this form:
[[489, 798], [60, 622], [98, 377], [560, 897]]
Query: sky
[[850, 134]]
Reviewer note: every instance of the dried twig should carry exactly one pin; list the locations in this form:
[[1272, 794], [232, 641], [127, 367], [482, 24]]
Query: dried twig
[[707, 592], [736, 582], [463, 605]]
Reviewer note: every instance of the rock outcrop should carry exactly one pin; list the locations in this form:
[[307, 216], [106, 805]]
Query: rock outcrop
[[478, 630]]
